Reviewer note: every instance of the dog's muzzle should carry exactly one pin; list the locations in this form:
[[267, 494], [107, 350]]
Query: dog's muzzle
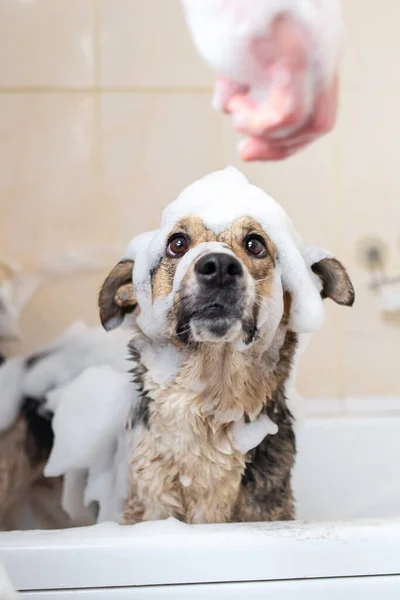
[[213, 303]]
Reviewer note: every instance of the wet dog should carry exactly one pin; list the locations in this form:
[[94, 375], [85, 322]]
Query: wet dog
[[219, 295]]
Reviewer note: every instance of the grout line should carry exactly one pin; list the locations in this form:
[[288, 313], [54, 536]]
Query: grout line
[[96, 44], [48, 89], [96, 99]]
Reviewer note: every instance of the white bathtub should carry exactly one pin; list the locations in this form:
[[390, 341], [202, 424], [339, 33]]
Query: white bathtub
[[347, 545]]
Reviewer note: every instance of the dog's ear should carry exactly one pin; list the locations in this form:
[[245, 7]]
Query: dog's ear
[[117, 298], [336, 283]]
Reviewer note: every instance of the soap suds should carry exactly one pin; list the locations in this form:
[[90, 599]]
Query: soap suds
[[185, 480], [89, 431], [84, 375], [73, 355], [11, 378], [89, 415], [219, 199], [224, 34], [74, 484], [83, 379], [246, 436]]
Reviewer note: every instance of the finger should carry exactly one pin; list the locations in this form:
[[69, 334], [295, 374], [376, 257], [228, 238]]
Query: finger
[[258, 120], [224, 90], [323, 120], [285, 109], [306, 136], [253, 148], [258, 149], [288, 99], [269, 154]]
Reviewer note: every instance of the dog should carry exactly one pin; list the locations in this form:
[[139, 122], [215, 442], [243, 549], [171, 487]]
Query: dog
[[219, 296], [216, 301], [34, 400]]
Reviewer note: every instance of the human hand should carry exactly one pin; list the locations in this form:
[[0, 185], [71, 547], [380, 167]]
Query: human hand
[[295, 110]]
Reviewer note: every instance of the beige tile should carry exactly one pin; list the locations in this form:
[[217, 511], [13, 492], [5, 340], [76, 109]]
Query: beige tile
[[371, 363], [368, 133], [48, 199], [147, 44], [320, 368], [370, 215], [365, 314], [46, 43], [371, 44], [368, 130], [304, 185], [56, 305], [153, 145]]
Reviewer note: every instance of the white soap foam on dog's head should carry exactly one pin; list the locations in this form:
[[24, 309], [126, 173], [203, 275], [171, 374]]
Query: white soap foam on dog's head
[[219, 199]]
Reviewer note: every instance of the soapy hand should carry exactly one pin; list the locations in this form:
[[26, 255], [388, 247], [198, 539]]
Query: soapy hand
[[276, 63], [295, 110]]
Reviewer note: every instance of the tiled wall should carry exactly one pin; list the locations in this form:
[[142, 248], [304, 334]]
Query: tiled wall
[[105, 115]]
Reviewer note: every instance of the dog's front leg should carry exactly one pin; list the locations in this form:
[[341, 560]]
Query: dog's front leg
[[151, 509], [155, 492]]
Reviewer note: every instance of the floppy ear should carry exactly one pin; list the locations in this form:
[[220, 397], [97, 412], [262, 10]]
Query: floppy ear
[[336, 283], [116, 298]]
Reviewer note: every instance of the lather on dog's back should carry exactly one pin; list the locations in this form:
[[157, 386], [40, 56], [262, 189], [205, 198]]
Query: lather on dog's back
[[219, 296]]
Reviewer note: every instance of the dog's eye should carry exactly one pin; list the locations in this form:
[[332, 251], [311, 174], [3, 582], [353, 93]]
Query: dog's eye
[[177, 246], [255, 245]]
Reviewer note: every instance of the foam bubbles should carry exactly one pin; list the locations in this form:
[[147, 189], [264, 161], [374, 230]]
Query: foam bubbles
[[219, 199]]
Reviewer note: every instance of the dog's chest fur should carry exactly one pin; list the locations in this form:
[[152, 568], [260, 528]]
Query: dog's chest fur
[[184, 463]]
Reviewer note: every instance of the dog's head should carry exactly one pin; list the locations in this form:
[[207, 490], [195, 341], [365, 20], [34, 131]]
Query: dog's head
[[225, 266]]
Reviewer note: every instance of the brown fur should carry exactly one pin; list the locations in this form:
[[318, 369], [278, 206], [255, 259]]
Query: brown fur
[[265, 493], [40, 508], [235, 384], [197, 233], [184, 462], [16, 470], [116, 295], [336, 283], [24, 492]]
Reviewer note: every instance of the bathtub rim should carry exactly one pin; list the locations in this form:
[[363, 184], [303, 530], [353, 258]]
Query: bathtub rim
[[109, 555]]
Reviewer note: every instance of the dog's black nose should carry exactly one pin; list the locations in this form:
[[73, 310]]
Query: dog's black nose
[[218, 268]]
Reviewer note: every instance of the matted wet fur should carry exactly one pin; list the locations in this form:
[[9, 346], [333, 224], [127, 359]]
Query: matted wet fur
[[202, 479], [26, 496], [185, 461]]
